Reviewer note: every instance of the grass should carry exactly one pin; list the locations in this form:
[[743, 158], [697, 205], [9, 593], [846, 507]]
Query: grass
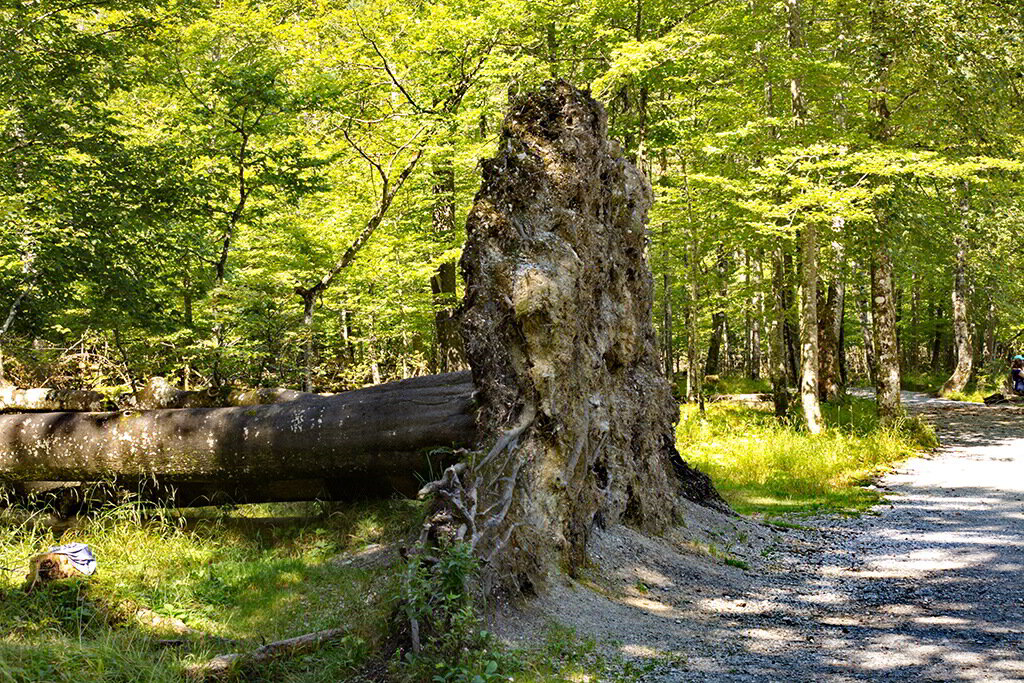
[[250, 575], [259, 573], [761, 465], [985, 382]]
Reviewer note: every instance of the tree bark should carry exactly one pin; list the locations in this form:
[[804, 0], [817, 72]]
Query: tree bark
[[575, 408], [809, 330], [667, 323], [887, 357], [713, 366], [961, 293], [159, 394], [936, 359], [829, 324], [780, 390], [13, 399], [443, 282], [867, 326], [961, 325], [791, 335], [757, 315], [359, 438]]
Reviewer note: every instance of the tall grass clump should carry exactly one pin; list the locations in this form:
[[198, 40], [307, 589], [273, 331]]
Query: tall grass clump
[[762, 465]]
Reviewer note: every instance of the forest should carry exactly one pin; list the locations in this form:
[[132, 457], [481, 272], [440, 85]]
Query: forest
[[274, 193], [244, 202]]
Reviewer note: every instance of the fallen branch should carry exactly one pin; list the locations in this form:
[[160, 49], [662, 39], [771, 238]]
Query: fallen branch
[[224, 665]]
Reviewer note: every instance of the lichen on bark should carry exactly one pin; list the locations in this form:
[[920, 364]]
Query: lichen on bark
[[577, 420]]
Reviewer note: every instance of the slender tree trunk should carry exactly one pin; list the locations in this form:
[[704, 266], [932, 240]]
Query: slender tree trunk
[[961, 325], [867, 326], [791, 334], [755, 335], [444, 282], [887, 374], [755, 317], [780, 389], [887, 357], [694, 376], [990, 330], [713, 365], [936, 360], [308, 300], [667, 310], [829, 325], [809, 329], [844, 370]]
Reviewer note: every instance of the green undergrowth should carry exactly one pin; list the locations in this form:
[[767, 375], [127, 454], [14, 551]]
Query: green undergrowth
[[250, 575], [986, 381], [244, 576], [730, 384], [762, 465]]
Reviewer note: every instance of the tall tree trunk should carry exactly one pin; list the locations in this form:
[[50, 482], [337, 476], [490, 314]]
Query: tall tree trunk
[[694, 376], [887, 356], [829, 326], [308, 300], [667, 322], [755, 316], [867, 326], [961, 325], [780, 388], [444, 281], [990, 330], [713, 365], [809, 329], [887, 374], [936, 359], [844, 370], [791, 335], [912, 337]]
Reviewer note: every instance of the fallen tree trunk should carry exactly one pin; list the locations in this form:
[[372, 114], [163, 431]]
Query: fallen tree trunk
[[44, 399], [71, 497], [356, 442], [159, 394]]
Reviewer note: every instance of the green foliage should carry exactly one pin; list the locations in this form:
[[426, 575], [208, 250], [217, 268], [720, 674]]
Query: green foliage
[[436, 596], [251, 574]]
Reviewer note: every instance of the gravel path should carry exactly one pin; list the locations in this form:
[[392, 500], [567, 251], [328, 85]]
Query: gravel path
[[930, 589]]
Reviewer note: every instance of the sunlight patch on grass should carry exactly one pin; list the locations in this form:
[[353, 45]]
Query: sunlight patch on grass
[[765, 466], [250, 574]]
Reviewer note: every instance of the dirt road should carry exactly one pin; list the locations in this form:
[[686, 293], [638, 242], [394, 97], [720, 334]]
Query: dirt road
[[931, 589]]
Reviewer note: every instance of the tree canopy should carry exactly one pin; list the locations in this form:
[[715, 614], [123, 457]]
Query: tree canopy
[[263, 192]]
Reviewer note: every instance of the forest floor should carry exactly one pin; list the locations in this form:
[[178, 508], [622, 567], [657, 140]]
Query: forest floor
[[925, 588]]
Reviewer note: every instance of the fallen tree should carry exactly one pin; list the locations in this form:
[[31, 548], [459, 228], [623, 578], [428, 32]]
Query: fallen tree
[[355, 444], [159, 394], [44, 399]]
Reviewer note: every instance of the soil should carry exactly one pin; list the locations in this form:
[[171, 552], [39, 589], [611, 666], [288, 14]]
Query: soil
[[927, 589]]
